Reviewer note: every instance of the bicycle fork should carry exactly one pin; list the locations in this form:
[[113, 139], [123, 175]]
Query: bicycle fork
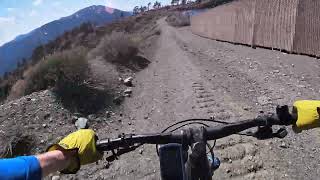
[[176, 164]]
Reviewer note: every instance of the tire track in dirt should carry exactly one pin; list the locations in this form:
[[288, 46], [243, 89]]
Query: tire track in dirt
[[246, 74], [239, 158], [242, 159], [237, 154]]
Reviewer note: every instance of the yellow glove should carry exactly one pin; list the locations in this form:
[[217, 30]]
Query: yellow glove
[[307, 113], [84, 141]]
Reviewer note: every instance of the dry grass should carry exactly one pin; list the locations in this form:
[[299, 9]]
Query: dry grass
[[62, 71], [15, 143], [118, 48]]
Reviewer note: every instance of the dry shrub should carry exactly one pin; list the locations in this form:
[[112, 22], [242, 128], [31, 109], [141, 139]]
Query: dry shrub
[[15, 143], [65, 71], [118, 47], [17, 90], [178, 19]]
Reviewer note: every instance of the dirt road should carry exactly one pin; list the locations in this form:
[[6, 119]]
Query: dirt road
[[194, 77]]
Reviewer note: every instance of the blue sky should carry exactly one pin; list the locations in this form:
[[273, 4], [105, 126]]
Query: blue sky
[[21, 16]]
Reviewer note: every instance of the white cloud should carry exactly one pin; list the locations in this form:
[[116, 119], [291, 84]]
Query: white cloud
[[37, 2], [7, 20]]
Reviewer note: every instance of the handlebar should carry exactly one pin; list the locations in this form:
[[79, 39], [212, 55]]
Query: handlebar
[[282, 117]]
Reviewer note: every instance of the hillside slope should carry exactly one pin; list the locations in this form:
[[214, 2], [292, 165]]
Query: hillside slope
[[21, 48]]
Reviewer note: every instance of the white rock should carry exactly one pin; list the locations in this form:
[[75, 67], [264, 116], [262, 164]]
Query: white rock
[[128, 91], [140, 151], [128, 81], [283, 145], [81, 123]]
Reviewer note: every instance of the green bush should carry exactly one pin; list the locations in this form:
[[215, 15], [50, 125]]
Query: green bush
[[64, 71]]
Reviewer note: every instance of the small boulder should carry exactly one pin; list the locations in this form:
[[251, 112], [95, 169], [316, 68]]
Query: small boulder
[[283, 145], [82, 123], [140, 151], [128, 81], [128, 91]]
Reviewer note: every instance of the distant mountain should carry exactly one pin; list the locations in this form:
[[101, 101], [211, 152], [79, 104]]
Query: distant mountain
[[23, 45]]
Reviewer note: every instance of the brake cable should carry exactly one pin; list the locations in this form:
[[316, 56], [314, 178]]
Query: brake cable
[[192, 121]]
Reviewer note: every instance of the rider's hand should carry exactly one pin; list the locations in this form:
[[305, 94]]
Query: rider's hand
[[307, 112], [84, 143]]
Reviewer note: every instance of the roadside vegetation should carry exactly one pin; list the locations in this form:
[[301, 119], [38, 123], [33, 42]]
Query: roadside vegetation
[[178, 19], [64, 71]]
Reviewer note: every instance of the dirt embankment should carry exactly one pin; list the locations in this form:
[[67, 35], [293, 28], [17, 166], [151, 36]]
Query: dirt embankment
[[193, 77]]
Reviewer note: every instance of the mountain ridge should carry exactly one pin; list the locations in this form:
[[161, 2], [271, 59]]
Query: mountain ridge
[[23, 45]]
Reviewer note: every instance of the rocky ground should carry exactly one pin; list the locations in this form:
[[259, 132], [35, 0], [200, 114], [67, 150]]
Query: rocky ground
[[189, 77]]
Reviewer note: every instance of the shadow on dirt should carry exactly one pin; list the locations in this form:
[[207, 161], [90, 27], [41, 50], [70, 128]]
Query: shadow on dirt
[[85, 99], [15, 143], [136, 63]]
